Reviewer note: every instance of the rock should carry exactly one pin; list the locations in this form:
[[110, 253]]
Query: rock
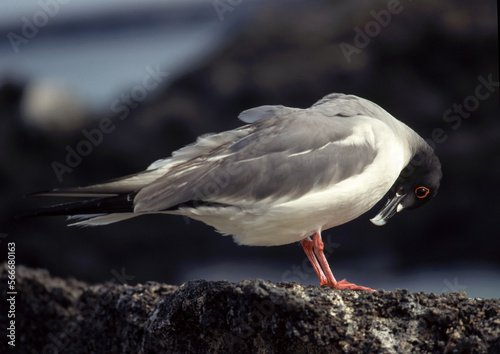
[[55, 315]]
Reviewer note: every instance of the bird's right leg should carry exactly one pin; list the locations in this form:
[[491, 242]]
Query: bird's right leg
[[308, 249]]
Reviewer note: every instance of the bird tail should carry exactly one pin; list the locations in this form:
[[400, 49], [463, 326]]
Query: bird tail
[[89, 212], [104, 203]]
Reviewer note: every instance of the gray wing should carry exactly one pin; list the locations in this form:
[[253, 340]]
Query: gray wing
[[283, 156]]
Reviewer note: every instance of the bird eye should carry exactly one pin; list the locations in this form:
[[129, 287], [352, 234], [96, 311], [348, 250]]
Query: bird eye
[[421, 192]]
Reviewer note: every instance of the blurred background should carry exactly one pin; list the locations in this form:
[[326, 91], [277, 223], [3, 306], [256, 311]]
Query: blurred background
[[92, 91]]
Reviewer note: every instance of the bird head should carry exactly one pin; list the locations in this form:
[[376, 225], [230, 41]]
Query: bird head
[[417, 183]]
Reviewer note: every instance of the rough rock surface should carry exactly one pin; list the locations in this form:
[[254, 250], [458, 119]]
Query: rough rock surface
[[55, 315]]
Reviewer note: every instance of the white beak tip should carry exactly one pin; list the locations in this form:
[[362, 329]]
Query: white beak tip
[[377, 220]]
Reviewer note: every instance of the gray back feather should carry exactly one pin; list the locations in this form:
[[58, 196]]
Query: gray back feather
[[279, 156]]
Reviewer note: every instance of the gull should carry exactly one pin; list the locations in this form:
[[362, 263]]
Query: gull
[[284, 177]]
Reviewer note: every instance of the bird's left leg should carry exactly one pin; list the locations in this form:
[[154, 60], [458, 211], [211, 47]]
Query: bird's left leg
[[308, 249], [331, 281]]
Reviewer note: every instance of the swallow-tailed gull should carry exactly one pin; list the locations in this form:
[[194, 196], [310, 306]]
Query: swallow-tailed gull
[[285, 177]]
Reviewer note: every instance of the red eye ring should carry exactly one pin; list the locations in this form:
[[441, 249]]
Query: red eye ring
[[421, 192]]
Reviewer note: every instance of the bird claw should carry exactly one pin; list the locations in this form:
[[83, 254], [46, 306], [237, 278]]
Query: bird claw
[[344, 284]]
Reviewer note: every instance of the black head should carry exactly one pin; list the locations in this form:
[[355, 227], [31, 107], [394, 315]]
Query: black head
[[416, 185]]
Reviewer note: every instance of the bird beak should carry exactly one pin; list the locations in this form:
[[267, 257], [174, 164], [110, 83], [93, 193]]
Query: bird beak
[[390, 208]]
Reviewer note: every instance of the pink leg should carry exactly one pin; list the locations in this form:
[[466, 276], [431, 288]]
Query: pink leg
[[322, 269], [308, 249]]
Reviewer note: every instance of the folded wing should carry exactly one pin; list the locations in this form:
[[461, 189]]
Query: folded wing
[[282, 158]]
